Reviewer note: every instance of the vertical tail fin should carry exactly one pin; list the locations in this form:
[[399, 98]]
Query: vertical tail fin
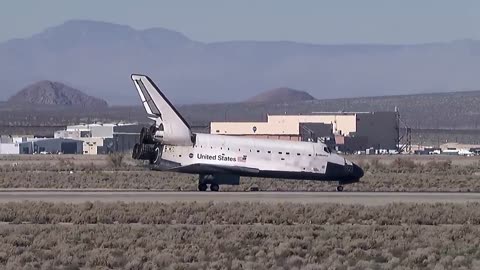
[[168, 120]]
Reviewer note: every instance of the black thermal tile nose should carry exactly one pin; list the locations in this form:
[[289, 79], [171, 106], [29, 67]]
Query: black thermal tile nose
[[357, 171]]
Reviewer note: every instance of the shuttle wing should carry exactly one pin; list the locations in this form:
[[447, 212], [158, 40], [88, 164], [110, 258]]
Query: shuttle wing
[[215, 169]]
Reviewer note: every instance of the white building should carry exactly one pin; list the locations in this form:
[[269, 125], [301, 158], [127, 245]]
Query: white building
[[91, 145], [357, 130], [92, 135], [9, 149], [87, 131]]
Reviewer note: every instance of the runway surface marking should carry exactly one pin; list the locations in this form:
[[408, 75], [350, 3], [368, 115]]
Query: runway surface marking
[[365, 198]]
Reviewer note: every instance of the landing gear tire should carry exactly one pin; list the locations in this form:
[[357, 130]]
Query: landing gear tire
[[214, 187], [202, 187], [339, 188]]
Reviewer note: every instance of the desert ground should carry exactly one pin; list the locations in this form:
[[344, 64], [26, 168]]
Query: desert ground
[[238, 235], [382, 173], [98, 235]]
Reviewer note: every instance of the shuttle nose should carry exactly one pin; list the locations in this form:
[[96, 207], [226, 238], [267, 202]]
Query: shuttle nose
[[357, 172]]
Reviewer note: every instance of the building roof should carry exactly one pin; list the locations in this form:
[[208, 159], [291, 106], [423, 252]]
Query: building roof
[[254, 128], [46, 140], [88, 126]]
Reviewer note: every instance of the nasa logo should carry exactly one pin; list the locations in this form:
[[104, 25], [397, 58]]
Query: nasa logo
[[190, 155]]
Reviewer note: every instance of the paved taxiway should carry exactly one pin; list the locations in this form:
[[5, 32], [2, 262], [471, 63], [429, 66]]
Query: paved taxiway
[[366, 198]]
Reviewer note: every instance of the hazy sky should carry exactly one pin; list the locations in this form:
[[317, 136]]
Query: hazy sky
[[314, 21]]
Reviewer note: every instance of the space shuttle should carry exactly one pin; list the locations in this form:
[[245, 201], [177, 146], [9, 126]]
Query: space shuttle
[[170, 145]]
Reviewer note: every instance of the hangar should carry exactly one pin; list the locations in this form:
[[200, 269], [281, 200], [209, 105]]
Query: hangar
[[103, 138], [348, 131], [125, 137], [52, 146]]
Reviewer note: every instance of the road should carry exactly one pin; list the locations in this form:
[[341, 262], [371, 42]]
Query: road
[[365, 198]]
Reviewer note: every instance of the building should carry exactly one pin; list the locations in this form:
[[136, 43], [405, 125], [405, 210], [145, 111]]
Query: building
[[9, 148], [73, 134], [312, 130], [125, 137], [93, 145], [52, 146], [101, 138], [6, 139], [97, 130], [10, 145], [351, 131]]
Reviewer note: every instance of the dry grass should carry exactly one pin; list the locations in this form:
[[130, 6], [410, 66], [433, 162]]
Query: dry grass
[[239, 213], [385, 174], [239, 236], [115, 160]]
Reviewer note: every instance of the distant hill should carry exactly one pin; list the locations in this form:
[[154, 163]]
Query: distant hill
[[452, 110], [99, 57], [55, 93], [280, 95]]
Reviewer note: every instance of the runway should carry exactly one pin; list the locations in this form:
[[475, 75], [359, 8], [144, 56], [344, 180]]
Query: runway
[[365, 198]]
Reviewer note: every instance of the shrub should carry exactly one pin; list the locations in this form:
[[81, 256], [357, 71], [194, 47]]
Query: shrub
[[116, 160], [404, 165], [439, 166], [224, 246]]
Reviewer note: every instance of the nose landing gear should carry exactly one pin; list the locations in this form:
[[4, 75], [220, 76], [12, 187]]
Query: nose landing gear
[[202, 187], [339, 188]]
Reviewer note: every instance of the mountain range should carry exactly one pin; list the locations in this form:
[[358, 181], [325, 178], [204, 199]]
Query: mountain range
[[280, 95], [99, 57], [454, 110], [48, 93]]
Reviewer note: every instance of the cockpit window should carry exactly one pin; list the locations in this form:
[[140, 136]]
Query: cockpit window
[[327, 150]]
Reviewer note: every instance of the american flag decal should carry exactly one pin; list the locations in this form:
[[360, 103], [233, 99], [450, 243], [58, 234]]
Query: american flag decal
[[242, 158]]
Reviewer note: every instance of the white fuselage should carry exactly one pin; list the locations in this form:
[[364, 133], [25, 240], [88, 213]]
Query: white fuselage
[[170, 145], [262, 154]]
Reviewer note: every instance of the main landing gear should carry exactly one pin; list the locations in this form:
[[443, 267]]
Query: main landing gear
[[202, 187], [213, 187], [215, 180], [339, 188], [204, 181]]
